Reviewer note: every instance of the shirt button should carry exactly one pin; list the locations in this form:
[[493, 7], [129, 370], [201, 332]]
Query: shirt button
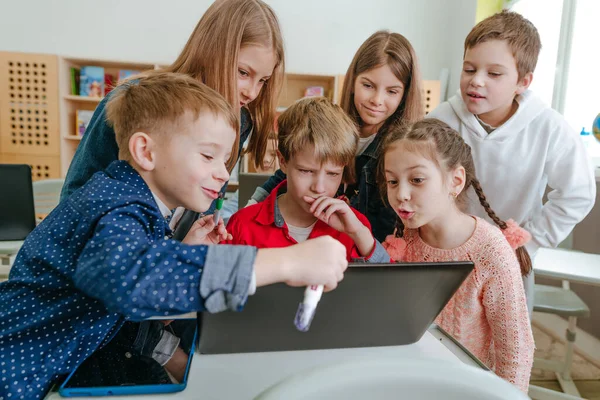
[[128, 355]]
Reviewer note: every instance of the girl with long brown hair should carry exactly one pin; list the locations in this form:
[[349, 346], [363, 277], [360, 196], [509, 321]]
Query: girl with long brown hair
[[425, 173]]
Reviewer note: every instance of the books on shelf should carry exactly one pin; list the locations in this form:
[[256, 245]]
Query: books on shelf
[[313, 91], [83, 118], [109, 83], [126, 73], [91, 81], [74, 80]]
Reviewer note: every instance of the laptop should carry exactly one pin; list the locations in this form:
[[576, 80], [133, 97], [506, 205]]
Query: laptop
[[17, 210], [248, 183], [375, 305]]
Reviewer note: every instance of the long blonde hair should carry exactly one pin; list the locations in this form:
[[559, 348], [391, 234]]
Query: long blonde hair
[[394, 50], [211, 56]]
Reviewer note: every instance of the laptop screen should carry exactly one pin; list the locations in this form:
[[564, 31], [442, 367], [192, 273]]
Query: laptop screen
[[248, 184], [17, 211]]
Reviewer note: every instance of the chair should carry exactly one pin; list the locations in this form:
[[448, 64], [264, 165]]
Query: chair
[[46, 195], [565, 303]]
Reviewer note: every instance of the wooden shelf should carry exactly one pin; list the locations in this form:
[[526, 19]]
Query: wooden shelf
[[83, 98], [293, 89]]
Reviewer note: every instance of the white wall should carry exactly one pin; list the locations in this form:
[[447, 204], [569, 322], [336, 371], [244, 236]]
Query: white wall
[[321, 36]]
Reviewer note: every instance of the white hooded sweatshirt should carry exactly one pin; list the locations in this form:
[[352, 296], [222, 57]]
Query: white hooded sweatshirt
[[534, 148]]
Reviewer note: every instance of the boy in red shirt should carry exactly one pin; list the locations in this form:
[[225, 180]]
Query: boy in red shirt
[[317, 148]]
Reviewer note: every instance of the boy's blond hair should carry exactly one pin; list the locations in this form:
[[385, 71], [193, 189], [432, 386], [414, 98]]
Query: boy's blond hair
[[155, 102], [317, 121], [521, 35]]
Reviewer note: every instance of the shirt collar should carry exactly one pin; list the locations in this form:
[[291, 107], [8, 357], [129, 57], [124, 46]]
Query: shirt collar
[[372, 149], [164, 210], [269, 212]]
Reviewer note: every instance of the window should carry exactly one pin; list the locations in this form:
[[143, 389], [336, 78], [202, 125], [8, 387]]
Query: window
[[547, 24], [580, 101]]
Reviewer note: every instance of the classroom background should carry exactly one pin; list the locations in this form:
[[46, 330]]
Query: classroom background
[[58, 59]]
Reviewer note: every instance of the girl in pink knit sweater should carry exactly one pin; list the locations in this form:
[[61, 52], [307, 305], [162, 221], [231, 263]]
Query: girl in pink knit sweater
[[426, 171]]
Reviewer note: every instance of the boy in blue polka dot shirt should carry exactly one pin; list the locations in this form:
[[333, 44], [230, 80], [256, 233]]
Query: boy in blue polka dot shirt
[[104, 257]]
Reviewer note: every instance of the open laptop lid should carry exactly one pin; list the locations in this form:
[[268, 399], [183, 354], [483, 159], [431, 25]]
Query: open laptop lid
[[375, 305], [248, 184], [17, 211]]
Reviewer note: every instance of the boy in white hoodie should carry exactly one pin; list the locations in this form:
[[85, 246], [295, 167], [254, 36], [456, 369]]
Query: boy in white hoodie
[[519, 144]]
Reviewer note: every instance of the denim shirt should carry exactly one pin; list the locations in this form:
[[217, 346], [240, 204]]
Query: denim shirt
[[363, 195], [98, 148]]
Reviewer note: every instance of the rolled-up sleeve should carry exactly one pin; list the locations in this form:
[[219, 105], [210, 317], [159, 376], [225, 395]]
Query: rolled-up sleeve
[[225, 285]]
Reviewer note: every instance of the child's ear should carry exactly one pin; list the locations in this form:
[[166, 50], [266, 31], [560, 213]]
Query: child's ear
[[457, 180], [282, 163], [524, 82], [141, 148]]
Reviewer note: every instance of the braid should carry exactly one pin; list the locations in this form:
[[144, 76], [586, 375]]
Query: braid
[[486, 206], [522, 255]]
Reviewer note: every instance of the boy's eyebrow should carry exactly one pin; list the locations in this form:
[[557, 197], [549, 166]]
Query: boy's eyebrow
[[491, 65], [301, 166], [498, 65]]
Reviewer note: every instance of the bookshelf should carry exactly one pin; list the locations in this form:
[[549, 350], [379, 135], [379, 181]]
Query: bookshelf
[[69, 103], [292, 90], [294, 86], [37, 111]]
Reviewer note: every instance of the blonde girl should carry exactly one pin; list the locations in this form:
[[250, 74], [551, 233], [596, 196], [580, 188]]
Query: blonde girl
[[236, 49]]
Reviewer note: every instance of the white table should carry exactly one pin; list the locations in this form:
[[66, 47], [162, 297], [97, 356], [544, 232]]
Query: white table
[[244, 376], [568, 265], [10, 246]]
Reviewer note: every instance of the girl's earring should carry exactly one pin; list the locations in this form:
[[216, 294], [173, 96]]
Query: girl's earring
[[454, 194]]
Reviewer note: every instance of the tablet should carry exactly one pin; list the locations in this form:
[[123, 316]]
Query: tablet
[[116, 368]]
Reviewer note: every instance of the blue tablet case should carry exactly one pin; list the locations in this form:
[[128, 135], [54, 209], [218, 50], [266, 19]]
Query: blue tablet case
[[66, 390]]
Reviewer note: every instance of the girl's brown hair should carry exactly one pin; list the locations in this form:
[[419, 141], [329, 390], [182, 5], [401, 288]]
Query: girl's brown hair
[[394, 50], [444, 146], [211, 56]]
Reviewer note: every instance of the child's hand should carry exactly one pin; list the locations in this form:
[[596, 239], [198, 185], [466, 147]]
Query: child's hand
[[319, 261], [336, 213], [204, 231]]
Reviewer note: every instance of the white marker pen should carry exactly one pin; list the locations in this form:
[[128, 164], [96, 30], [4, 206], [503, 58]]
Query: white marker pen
[[306, 309]]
